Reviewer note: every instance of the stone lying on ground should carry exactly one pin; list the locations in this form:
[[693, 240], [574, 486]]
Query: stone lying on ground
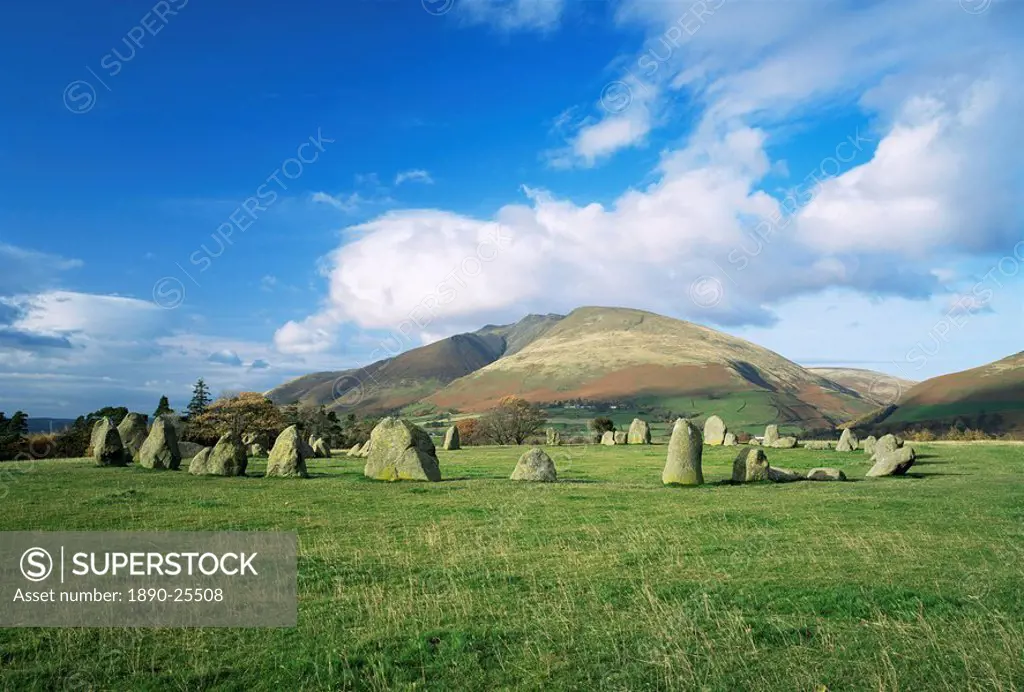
[[777, 474], [107, 449], [188, 449], [399, 450], [608, 438], [683, 466], [894, 463], [227, 458], [818, 444], [320, 449], [825, 474], [847, 441], [639, 433], [730, 440], [868, 444], [452, 441], [133, 432], [287, 459], [535, 465], [750, 465], [621, 437], [784, 443], [257, 450], [771, 434], [714, 431], [160, 450]]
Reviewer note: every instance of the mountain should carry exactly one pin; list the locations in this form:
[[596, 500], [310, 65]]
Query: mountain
[[877, 387], [394, 383], [618, 354], [990, 397]]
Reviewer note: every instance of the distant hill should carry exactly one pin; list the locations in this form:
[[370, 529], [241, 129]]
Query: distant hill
[[990, 398], [45, 425], [877, 387], [394, 383]]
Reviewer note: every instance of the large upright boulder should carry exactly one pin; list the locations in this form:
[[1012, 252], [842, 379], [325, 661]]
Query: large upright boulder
[[714, 431], [535, 465], [227, 458], [847, 441], [320, 449], [608, 438], [885, 445], [133, 432], [200, 462], [750, 465], [868, 445], [639, 432], [452, 441], [399, 450], [894, 463], [685, 451], [621, 437], [553, 437], [107, 449], [771, 435], [354, 450], [730, 440], [287, 458], [364, 451], [160, 449]]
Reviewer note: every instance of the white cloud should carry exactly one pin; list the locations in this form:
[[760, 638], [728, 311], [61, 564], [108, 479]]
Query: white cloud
[[416, 175], [513, 15], [349, 203], [225, 357]]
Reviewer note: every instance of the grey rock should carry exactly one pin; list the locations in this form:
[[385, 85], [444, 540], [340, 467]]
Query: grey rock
[[683, 466], [894, 463], [227, 458], [777, 474], [847, 441], [107, 449], [868, 445], [287, 458], [825, 474], [771, 434], [714, 431], [399, 450], [452, 440], [621, 437], [160, 449], [730, 440], [133, 431], [818, 444], [320, 449], [608, 438], [535, 465], [257, 450], [785, 443], [639, 432], [750, 465], [200, 462]]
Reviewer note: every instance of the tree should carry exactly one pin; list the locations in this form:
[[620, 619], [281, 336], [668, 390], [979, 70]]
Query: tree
[[73, 441], [249, 412], [601, 424], [512, 421], [163, 408], [200, 399], [470, 432], [12, 434], [316, 421]]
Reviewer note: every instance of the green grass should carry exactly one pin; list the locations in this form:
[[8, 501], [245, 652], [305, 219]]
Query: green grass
[[606, 580]]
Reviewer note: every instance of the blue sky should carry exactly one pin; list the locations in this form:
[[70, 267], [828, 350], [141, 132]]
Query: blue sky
[[837, 181]]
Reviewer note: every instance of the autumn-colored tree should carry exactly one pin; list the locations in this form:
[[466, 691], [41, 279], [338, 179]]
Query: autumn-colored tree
[[470, 431], [512, 421], [248, 412]]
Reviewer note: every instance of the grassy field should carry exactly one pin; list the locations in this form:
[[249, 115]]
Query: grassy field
[[605, 580]]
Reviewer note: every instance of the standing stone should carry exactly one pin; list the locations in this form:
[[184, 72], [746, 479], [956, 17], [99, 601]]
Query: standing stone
[[885, 445], [287, 458], [868, 444], [730, 440], [305, 446], [364, 451], [257, 450], [894, 463], [608, 438], [400, 450], [320, 449], [754, 442], [553, 437], [107, 448], [260, 438], [685, 450], [825, 474], [535, 466], [227, 458], [199, 466], [639, 433], [847, 441], [714, 431], [133, 432], [771, 435], [451, 438], [160, 450], [354, 451], [750, 465], [621, 437]]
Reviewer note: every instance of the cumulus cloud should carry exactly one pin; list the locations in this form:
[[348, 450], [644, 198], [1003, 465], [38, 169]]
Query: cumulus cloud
[[416, 175], [225, 357]]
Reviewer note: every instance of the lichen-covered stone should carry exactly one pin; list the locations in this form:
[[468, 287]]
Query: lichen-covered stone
[[730, 440], [364, 451], [553, 437], [354, 450], [639, 432], [785, 443], [535, 465], [160, 449], [818, 445], [825, 474], [133, 432], [777, 474], [320, 449], [885, 445], [868, 445], [714, 431], [847, 441], [287, 458], [608, 438], [771, 434], [452, 441], [749, 466], [188, 449], [683, 466], [894, 463], [399, 450], [227, 458], [621, 437], [200, 462], [257, 450], [107, 449]]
